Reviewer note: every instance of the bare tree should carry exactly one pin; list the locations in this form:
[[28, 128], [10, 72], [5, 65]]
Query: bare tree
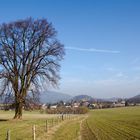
[[29, 55]]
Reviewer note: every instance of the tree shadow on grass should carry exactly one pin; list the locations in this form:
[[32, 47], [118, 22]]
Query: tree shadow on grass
[[3, 120]]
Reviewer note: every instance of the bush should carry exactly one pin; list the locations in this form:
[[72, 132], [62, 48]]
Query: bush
[[82, 110]]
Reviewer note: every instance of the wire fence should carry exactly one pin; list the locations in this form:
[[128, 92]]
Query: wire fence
[[36, 130]]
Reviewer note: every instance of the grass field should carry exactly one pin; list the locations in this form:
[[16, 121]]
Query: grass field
[[22, 129], [70, 131], [112, 124], [103, 124]]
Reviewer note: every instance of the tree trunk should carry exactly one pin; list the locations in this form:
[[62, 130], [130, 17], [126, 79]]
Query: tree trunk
[[18, 110]]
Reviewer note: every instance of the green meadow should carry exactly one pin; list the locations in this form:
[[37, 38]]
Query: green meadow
[[102, 124], [112, 124]]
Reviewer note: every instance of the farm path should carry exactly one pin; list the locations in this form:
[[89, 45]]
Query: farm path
[[49, 135], [80, 132], [51, 131], [86, 132]]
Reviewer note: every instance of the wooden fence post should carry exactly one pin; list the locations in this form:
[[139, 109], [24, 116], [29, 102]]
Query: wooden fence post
[[62, 117], [8, 135], [52, 121], [58, 119], [46, 125], [33, 132]]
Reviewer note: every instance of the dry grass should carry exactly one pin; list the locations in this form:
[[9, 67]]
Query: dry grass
[[22, 129]]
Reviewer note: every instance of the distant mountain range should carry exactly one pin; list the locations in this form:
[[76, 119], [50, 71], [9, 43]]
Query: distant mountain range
[[48, 97], [53, 97], [82, 98], [135, 99]]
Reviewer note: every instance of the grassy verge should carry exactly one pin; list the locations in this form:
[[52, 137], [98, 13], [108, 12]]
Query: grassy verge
[[104, 124], [69, 131], [22, 129]]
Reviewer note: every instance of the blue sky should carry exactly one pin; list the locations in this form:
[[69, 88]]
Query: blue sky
[[102, 41]]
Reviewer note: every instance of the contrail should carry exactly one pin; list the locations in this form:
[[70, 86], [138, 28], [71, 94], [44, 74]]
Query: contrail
[[92, 50]]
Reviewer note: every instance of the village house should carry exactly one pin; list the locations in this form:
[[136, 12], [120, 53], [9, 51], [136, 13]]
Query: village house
[[53, 106], [76, 104], [119, 104], [44, 106]]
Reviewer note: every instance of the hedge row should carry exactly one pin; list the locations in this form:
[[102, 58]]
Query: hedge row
[[64, 110]]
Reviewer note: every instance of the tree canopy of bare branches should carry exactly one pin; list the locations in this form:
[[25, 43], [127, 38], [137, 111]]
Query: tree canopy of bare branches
[[29, 55]]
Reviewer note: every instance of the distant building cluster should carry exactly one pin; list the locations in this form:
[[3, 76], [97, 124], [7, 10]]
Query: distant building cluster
[[90, 104]]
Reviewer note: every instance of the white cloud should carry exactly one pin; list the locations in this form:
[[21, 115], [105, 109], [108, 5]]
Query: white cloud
[[93, 50]]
